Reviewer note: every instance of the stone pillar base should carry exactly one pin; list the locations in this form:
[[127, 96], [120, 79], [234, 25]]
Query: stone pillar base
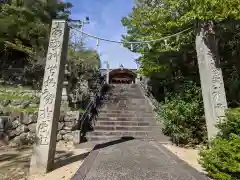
[[76, 137]]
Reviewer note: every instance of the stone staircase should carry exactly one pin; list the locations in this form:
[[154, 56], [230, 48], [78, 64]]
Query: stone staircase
[[125, 113]]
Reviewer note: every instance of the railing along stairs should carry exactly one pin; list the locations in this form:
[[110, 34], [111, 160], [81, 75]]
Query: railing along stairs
[[88, 118], [148, 94]]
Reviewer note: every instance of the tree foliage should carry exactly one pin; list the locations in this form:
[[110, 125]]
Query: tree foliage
[[221, 160], [25, 27], [181, 115], [171, 63], [176, 57], [84, 66], [24, 35]]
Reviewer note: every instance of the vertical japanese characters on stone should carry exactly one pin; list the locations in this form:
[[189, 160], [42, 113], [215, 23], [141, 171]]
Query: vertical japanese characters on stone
[[212, 85], [218, 92], [49, 109]]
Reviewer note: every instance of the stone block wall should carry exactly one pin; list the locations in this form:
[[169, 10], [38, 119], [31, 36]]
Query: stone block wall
[[20, 128], [66, 124]]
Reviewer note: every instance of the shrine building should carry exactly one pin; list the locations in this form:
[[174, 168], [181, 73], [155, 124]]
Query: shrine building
[[121, 75]]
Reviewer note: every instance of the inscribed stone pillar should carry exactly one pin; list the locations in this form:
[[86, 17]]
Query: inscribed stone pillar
[[49, 110], [213, 92]]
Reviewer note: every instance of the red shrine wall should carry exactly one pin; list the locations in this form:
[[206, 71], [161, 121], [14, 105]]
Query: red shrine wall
[[122, 76]]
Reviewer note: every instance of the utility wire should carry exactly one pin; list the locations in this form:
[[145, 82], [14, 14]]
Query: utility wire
[[134, 42]]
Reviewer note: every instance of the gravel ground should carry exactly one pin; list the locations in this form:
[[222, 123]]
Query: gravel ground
[[15, 163]]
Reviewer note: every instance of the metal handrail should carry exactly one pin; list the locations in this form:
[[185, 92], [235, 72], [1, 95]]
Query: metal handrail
[[149, 95], [90, 105]]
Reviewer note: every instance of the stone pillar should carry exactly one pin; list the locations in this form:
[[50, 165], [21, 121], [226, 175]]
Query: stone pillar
[[107, 72], [213, 92], [49, 110], [137, 80]]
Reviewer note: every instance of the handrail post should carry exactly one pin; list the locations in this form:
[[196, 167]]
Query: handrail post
[[149, 96], [107, 73], [77, 134]]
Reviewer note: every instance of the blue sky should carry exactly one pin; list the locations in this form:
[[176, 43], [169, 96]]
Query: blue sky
[[105, 21]]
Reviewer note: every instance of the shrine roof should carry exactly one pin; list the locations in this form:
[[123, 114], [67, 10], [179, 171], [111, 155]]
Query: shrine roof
[[103, 71]]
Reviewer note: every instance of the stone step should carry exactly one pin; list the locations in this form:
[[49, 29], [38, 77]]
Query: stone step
[[116, 105], [125, 96], [118, 133], [115, 86], [123, 111], [129, 107], [130, 91], [90, 144], [127, 99], [133, 93], [125, 89], [119, 91], [103, 139], [126, 115], [126, 111], [130, 86], [126, 93], [127, 119], [127, 103], [121, 128], [123, 123]]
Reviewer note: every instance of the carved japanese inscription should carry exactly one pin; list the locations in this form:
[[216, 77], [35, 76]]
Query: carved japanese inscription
[[49, 109], [217, 90], [49, 83], [212, 84]]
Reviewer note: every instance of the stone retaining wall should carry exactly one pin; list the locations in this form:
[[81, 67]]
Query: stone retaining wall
[[20, 128]]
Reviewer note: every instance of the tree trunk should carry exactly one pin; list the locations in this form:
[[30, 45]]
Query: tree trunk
[[213, 92]]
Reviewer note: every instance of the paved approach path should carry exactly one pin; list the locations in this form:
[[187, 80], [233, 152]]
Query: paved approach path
[[134, 160]]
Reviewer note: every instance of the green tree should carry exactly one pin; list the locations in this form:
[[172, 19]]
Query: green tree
[[169, 60], [84, 66], [25, 26], [24, 33]]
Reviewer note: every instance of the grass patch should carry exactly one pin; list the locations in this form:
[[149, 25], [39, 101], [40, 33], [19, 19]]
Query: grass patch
[[81, 110], [7, 96], [17, 109], [14, 87]]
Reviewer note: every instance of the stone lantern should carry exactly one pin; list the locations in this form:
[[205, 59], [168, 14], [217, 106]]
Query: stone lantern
[[64, 102]]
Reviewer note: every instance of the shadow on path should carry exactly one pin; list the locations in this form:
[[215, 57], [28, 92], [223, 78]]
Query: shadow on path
[[14, 163], [135, 159], [110, 143], [67, 158], [87, 164]]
